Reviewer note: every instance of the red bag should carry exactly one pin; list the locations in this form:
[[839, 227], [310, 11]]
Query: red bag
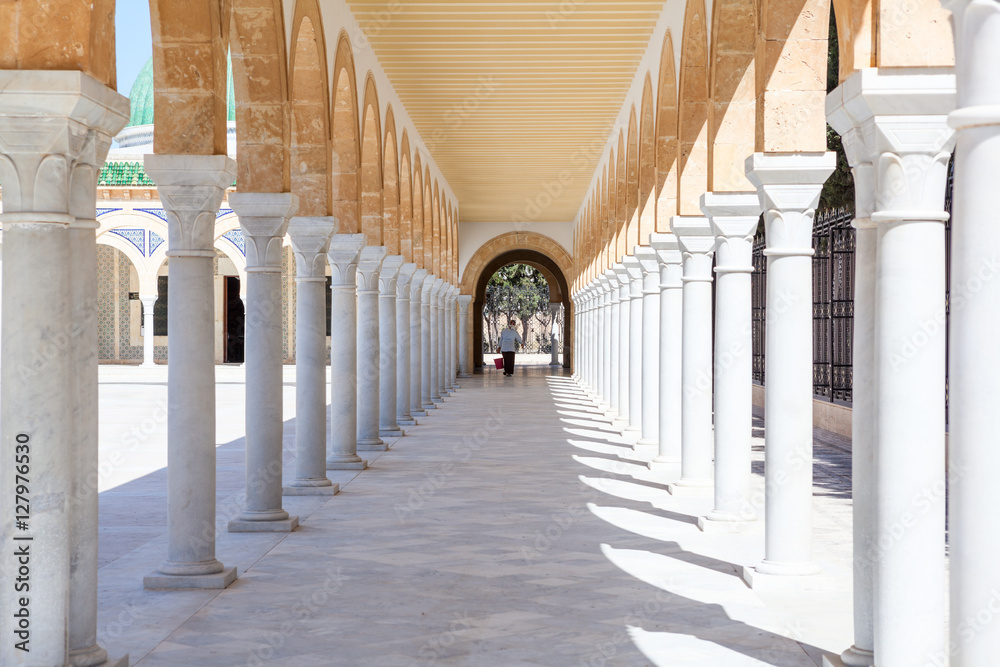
[[499, 362]]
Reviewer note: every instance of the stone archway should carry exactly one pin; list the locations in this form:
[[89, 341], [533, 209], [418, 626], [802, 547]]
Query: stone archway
[[536, 250]]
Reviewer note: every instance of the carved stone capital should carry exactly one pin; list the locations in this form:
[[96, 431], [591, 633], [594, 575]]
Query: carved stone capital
[[406, 272], [343, 255], [369, 266], [388, 275], [264, 219], [191, 188], [310, 236], [417, 284]]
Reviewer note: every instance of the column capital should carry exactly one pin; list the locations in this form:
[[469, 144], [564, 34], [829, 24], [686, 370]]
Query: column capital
[[49, 120], [463, 302], [694, 234], [901, 120], [609, 282], [436, 286], [369, 266], [621, 277], [310, 236], [430, 287], [417, 284], [650, 264], [191, 189], [634, 269], [406, 273], [667, 247], [388, 275], [343, 255], [264, 219], [790, 181], [734, 217]]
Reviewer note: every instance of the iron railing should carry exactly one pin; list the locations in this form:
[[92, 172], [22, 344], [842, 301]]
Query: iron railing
[[529, 307]]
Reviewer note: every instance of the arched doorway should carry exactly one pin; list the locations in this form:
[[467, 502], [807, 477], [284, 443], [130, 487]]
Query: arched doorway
[[558, 293]]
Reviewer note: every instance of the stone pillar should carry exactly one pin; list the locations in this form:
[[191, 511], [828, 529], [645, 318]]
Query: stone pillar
[[609, 342], [191, 188], [264, 219], [624, 320], [426, 341], [403, 344], [417, 286], [342, 447], [310, 241], [148, 343], [554, 334], [788, 186], [696, 242], [387, 426], [734, 217], [55, 130], [671, 260], [450, 383], [864, 410], [634, 427], [974, 359], [369, 268], [650, 343], [464, 363], [439, 345]]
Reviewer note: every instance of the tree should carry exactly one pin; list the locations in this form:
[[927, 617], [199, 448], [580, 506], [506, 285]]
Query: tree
[[517, 292]]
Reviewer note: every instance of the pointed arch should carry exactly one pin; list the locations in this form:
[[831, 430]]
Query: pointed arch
[[666, 138], [344, 168], [371, 166], [257, 44], [418, 213], [309, 94], [692, 131], [632, 185], [621, 201], [608, 216], [732, 110], [647, 164], [405, 200], [436, 232], [428, 221]]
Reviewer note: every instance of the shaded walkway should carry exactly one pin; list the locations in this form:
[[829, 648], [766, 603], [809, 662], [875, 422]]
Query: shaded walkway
[[512, 527]]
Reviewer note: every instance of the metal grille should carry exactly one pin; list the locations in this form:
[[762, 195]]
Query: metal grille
[[529, 307], [833, 304], [758, 286]]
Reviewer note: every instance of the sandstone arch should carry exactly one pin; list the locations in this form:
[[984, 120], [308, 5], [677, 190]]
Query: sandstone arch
[[692, 130], [666, 138], [371, 166], [647, 163], [418, 213], [405, 200], [310, 113], [346, 143], [632, 185]]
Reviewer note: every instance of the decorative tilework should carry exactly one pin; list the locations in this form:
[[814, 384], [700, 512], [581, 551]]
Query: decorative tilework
[[235, 236], [158, 212], [105, 211], [222, 212], [155, 241], [136, 237]]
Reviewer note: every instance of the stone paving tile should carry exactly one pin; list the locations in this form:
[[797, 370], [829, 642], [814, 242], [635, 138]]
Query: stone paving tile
[[512, 527]]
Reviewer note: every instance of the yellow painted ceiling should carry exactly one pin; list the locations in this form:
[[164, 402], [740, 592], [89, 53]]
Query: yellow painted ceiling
[[512, 96]]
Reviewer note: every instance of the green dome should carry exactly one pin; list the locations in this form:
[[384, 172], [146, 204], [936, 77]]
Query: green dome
[[141, 95]]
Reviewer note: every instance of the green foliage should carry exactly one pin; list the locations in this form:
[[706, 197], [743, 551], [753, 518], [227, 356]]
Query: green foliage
[[838, 191], [515, 292]]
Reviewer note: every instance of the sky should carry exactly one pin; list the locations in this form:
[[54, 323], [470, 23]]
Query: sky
[[135, 41]]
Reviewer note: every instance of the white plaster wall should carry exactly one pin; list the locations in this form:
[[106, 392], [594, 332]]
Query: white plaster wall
[[337, 18], [472, 236]]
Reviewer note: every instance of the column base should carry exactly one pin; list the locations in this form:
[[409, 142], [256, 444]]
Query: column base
[[330, 489], [691, 488], [270, 526], [437, 399], [554, 363], [96, 656], [429, 406], [663, 463], [391, 432], [718, 522], [464, 375], [786, 577], [346, 463], [647, 442], [370, 446], [418, 413], [157, 581], [632, 432], [406, 421], [852, 657]]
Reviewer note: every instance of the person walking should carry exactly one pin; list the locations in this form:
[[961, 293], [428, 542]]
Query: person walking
[[509, 340]]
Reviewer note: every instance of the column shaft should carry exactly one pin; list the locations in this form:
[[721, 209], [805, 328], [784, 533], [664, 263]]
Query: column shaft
[[465, 367], [650, 344], [369, 372], [403, 344], [427, 340], [634, 428], [388, 428], [671, 350], [417, 343]]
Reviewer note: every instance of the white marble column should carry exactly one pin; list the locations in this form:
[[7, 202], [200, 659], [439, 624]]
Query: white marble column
[[369, 268], [191, 188], [148, 345], [788, 186], [671, 389], [451, 385], [464, 361], [623, 321], [863, 409], [973, 456], [417, 286], [55, 129], [697, 243], [427, 321], [734, 217], [342, 446], [403, 345], [387, 426], [439, 346], [554, 334], [650, 368], [634, 428], [609, 342], [310, 238], [264, 219]]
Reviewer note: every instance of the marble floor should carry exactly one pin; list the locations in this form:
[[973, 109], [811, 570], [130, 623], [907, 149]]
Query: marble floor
[[512, 526]]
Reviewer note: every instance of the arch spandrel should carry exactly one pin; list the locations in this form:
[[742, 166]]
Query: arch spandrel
[[632, 185], [666, 138], [621, 202], [418, 213], [346, 154], [732, 113], [428, 221], [647, 163], [261, 87], [903, 23], [692, 132], [405, 200], [309, 94], [436, 231], [608, 217], [390, 187], [508, 242], [371, 166]]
